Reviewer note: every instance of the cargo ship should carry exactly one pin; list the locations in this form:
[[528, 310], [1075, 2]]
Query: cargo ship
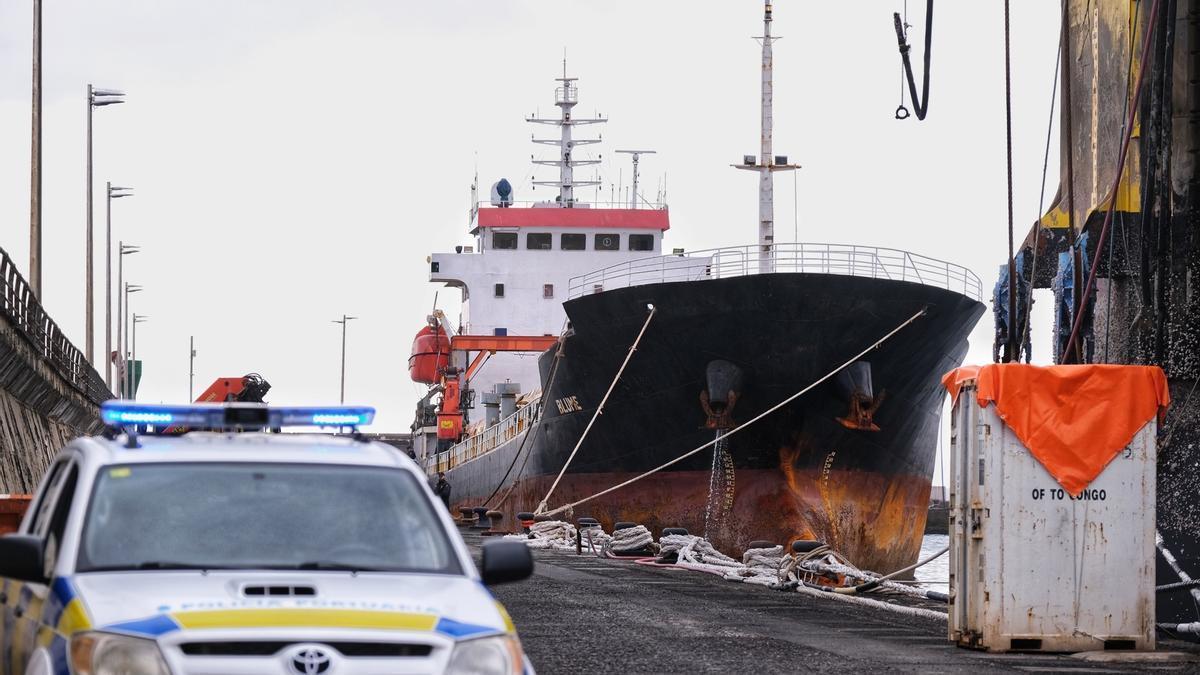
[[568, 304]]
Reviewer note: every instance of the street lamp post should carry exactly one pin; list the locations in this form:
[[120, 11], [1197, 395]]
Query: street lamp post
[[137, 318], [124, 250], [129, 288], [35, 159], [191, 366], [344, 320], [96, 98], [113, 192]]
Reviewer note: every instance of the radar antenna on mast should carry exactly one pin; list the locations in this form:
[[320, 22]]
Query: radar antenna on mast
[[633, 198], [767, 163], [566, 96]]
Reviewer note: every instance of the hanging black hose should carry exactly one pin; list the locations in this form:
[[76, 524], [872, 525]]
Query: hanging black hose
[[920, 104]]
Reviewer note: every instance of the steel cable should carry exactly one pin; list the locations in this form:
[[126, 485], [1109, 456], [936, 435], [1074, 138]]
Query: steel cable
[[599, 409]]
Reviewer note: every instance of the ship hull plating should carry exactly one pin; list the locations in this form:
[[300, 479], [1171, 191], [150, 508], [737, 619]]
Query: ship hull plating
[[804, 471]]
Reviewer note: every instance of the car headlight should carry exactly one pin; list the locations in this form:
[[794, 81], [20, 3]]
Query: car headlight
[[496, 655], [109, 654]]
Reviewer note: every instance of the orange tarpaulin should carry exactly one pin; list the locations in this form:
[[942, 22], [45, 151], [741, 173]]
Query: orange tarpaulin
[[1073, 419]]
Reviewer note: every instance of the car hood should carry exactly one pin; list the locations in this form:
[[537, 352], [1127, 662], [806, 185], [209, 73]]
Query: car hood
[[156, 603]]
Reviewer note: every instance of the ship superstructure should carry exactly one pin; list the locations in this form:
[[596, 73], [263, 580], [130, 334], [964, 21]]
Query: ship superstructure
[[515, 277]]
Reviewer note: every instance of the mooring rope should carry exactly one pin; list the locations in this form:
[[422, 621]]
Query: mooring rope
[[599, 409], [768, 567], [731, 432]]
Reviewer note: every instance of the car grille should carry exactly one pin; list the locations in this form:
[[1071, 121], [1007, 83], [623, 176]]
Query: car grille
[[278, 591]]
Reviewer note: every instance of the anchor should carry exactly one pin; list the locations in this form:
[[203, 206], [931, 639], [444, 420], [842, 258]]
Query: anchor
[[855, 385], [718, 399]]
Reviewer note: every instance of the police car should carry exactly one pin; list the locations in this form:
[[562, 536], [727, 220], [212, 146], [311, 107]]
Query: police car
[[222, 552]]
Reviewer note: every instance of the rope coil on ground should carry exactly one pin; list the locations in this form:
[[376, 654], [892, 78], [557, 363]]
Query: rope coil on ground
[[556, 534], [761, 566], [631, 540]]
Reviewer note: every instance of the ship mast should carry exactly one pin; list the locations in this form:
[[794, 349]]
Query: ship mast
[[633, 198], [767, 162], [565, 97]]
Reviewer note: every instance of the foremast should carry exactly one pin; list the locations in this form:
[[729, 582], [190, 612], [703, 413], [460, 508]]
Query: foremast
[[767, 162]]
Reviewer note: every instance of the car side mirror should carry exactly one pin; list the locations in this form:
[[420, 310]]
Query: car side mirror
[[21, 558], [505, 561]]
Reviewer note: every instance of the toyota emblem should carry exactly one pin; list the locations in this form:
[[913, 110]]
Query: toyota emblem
[[310, 661]]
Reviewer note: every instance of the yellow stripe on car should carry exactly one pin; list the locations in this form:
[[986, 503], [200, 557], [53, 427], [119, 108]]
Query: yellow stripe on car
[[509, 626], [74, 618], [305, 618]]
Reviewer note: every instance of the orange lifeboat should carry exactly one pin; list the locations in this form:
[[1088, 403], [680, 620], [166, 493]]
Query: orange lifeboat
[[430, 354]]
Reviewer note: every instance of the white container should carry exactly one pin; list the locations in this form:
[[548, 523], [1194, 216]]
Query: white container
[[1030, 567]]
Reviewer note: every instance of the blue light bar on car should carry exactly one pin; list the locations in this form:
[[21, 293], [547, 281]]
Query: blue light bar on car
[[325, 417], [233, 415]]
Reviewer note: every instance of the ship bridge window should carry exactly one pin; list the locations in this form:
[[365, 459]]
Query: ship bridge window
[[504, 240], [539, 241], [573, 242], [641, 242], [608, 242]]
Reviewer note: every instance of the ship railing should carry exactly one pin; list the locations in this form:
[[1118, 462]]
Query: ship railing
[[566, 95], [722, 263], [643, 205], [485, 441]]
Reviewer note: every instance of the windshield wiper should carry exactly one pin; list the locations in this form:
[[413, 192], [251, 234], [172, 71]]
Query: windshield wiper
[[172, 565], [334, 565]]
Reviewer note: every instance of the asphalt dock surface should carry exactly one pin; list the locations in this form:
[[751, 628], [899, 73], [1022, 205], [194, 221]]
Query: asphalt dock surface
[[583, 614]]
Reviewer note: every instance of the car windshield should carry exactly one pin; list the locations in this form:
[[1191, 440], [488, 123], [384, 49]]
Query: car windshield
[[268, 516]]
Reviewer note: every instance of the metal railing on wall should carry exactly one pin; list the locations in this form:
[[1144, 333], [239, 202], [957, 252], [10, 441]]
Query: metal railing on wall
[[723, 263], [23, 311], [485, 441]]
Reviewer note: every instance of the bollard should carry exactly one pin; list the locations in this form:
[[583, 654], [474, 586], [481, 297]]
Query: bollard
[[494, 518], [527, 520], [585, 523], [761, 543], [466, 517], [624, 525], [481, 519], [806, 546], [673, 530]]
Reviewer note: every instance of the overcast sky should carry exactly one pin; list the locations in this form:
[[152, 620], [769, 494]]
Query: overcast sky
[[295, 160]]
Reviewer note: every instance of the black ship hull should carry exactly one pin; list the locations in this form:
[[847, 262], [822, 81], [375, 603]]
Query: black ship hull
[[800, 472]]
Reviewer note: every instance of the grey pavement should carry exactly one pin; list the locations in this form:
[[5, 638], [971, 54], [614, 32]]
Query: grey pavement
[[582, 614]]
